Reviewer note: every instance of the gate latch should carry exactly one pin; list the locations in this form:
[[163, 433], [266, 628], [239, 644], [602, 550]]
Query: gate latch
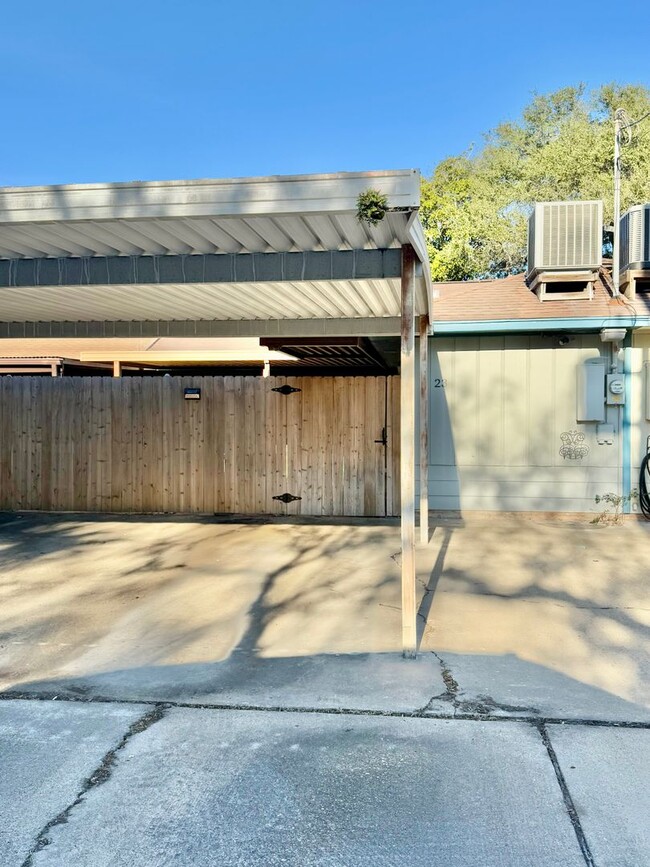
[[384, 437]]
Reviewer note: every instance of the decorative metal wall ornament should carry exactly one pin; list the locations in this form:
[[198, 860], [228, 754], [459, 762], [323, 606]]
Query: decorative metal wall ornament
[[574, 447], [285, 389], [286, 498]]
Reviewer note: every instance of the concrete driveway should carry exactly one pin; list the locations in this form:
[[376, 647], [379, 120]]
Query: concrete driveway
[[193, 692]]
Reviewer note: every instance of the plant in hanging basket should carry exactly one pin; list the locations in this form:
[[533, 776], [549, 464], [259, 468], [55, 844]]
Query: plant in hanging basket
[[371, 207]]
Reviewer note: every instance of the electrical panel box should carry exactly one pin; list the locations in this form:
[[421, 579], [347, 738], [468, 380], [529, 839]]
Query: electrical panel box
[[615, 389], [590, 390]]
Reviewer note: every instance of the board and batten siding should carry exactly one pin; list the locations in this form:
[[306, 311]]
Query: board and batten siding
[[134, 444], [639, 356], [499, 406]]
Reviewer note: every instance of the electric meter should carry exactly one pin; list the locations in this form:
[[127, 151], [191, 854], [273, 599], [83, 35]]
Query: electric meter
[[615, 389]]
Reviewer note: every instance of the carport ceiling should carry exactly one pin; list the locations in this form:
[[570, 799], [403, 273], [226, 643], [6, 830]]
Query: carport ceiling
[[239, 249], [330, 352]]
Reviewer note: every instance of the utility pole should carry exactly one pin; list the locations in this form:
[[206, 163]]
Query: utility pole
[[619, 118]]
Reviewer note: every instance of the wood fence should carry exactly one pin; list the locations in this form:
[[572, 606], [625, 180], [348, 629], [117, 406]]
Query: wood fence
[[135, 444]]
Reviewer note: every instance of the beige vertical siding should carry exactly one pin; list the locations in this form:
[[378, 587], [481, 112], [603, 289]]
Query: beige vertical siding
[[499, 405], [640, 425]]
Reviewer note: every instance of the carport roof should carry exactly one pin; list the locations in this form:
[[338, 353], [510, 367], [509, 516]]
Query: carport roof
[[236, 249]]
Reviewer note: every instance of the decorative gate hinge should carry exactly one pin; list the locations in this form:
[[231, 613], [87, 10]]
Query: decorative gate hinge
[[286, 389], [286, 498]]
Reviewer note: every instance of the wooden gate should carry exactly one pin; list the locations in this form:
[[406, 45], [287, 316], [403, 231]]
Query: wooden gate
[[135, 444]]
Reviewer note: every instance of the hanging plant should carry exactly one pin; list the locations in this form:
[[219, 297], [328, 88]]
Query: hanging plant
[[371, 207]]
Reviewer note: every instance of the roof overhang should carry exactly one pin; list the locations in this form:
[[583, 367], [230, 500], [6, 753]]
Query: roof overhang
[[247, 249], [254, 355]]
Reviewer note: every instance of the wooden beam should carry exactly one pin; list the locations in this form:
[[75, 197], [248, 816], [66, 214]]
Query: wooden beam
[[117, 368], [424, 430], [407, 453]]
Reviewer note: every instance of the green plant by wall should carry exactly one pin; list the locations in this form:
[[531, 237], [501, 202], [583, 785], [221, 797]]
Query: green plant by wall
[[372, 206], [612, 509]]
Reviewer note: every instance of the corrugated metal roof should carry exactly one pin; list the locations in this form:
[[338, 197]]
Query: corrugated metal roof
[[192, 235], [303, 213], [280, 214], [339, 299], [357, 352], [73, 347]]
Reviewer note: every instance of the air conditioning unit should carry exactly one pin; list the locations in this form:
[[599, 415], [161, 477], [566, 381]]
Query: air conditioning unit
[[565, 236], [565, 248], [635, 239], [634, 260]]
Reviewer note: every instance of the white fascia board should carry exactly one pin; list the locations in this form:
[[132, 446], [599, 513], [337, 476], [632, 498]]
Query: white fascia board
[[419, 244], [291, 194]]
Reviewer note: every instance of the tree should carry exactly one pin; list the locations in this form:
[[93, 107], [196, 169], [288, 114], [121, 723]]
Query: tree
[[475, 206]]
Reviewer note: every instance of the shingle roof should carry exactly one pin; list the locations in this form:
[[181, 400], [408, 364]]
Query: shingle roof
[[511, 299]]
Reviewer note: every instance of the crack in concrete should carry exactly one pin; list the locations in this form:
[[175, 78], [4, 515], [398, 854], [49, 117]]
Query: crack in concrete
[[336, 711], [98, 777], [566, 796], [449, 695], [485, 704], [481, 706]]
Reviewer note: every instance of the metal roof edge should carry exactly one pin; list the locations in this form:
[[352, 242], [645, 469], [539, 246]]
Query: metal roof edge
[[282, 195], [179, 182]]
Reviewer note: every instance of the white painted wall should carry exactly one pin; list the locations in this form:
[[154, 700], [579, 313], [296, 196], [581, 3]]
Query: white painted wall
[[498, 407]]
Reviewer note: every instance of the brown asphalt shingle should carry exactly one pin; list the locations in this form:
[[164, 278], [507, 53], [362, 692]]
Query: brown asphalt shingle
[[511, 299]]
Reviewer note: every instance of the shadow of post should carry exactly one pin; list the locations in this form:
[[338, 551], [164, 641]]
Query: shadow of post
[[431, 585]]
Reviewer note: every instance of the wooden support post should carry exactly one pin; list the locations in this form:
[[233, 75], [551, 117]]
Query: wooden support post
[[424, 430], [117, 368], [407, 453]]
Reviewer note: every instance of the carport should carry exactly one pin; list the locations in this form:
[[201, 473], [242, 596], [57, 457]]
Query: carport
[[272, 258]]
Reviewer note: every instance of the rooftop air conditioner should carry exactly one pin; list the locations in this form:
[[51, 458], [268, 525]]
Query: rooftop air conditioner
[[635, 239], [565, 236]]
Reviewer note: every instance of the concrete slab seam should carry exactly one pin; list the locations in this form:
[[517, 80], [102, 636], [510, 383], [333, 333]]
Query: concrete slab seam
[[535, 720], [566, 796], [100, 775]]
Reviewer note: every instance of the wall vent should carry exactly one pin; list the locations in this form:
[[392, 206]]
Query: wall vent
[[565, 236]]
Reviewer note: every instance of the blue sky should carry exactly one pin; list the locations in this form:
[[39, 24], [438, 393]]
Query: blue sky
[[117, 91]]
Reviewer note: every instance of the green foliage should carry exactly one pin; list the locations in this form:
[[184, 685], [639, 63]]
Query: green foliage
[[613, 502], [475, 206], [371, 207]]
